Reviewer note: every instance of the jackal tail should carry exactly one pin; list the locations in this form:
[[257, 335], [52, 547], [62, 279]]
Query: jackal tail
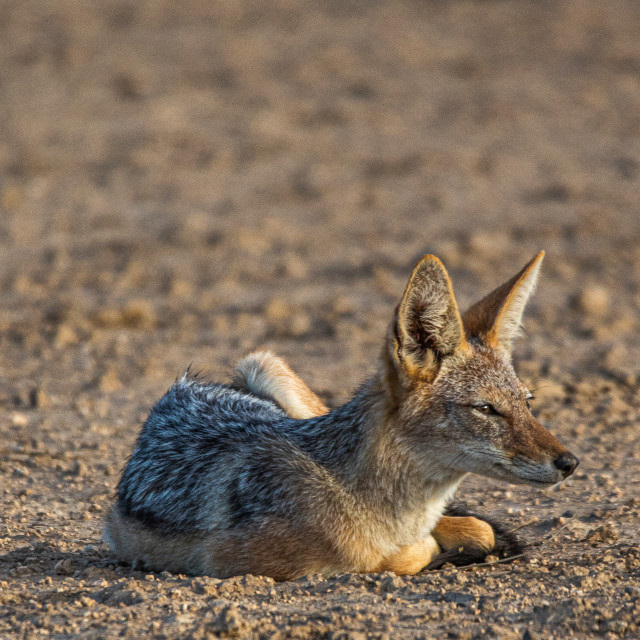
[[268, 376]]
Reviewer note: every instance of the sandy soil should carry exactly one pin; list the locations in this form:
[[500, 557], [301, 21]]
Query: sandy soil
[[182, 182]]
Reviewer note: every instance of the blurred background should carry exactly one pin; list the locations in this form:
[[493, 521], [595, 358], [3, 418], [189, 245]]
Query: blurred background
[[182, 182]]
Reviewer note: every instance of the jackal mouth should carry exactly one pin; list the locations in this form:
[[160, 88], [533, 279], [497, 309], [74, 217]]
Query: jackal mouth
[[535, 475], [539, 483]]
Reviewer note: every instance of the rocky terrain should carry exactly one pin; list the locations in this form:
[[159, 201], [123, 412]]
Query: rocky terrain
[[183, 182]]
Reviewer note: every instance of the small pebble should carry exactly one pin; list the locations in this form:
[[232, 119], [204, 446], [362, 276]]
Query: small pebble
[[63, 567]]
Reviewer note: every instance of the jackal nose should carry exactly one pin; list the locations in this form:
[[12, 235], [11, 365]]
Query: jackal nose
[[567, 463]]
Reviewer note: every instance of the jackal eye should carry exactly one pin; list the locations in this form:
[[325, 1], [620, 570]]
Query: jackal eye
[[528, 400], [487, 409]]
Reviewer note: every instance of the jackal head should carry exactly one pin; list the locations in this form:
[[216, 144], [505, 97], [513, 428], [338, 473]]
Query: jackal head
[[459, 402]]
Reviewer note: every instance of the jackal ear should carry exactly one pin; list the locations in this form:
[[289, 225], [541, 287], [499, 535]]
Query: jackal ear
[[427, 326], [497, 318]]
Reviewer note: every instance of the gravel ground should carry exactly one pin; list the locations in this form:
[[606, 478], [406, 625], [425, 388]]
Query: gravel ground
[[183, 182]]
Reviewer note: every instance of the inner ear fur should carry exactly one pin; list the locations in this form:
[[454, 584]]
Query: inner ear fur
[[496, 319], [428, 326]]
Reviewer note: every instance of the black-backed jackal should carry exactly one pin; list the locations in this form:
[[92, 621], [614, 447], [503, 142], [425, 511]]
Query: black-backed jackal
[[259, 477]]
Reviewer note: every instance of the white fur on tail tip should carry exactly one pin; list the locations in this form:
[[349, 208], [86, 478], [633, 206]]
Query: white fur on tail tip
[[268, 376]]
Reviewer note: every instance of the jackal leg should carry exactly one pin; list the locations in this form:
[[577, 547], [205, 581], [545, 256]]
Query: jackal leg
[[411, 559], [452, 533]]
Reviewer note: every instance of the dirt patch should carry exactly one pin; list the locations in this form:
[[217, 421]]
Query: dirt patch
[[180, 183]]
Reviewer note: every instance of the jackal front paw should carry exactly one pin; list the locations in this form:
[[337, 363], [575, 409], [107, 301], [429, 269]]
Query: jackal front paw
[[451, 533]]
